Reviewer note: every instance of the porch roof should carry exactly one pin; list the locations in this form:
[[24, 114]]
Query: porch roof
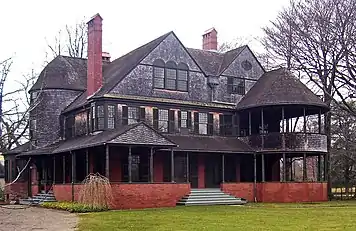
[[210, 144], [135, 134]]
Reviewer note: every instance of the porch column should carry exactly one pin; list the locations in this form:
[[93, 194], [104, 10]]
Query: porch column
[[249, 124], [263, 167], [254, 178], [130, 165], [172, 165], [282, 119], [73, 168], [223, 167], [151, 165], [304, 167], [263, 129], [319, 121], [284, 168], [325, 167], [107, 161], [319, 167], [54, 169], [44, 172], [64, 169], [86, 162], [187, 166], [305, 120]]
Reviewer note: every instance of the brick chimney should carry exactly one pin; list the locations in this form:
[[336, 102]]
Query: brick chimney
[[210, 39], [95, 63]]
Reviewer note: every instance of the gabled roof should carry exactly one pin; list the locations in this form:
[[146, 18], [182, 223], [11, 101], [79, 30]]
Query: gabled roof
[[279, 87], [63, 73]]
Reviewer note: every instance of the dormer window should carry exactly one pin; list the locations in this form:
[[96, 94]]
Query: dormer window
[[170, 76], [236, 85]]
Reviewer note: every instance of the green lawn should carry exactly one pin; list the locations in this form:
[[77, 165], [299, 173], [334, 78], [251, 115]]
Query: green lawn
[[318, 216]]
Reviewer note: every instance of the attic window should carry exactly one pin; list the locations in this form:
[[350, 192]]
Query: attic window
[[170, 76], [236, 86]]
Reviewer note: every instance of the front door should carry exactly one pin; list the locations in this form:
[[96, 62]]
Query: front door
[[213, 170], [193, 171]]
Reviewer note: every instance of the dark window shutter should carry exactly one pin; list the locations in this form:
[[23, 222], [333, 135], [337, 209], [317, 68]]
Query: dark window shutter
[[142, 112], [210, 124], [196, 122], [222, 125], [124, 117], [155, 118], [230, 84], [171, 121], [179, 119], [189, 119]]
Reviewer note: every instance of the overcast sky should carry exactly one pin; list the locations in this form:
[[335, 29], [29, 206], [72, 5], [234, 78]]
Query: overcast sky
[[27, 24]]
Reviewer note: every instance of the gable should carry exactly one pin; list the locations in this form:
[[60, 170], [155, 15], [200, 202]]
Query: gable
[[236, 66], [171, 49], [142, 134]]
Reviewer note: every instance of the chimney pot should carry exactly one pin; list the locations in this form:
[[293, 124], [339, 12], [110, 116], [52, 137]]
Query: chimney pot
[[210, 39], [106, 57], [94, 63]]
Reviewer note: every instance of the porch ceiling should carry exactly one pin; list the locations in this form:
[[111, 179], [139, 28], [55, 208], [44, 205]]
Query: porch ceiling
[[210, 144]]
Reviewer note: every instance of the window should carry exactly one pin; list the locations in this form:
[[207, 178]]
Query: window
[[226, 125], [33, 127], [34, 96], [100, 117], [182, 79], [170, 76], [158, 73], [92, 120], [111, 116], [69, 125], [80, 124], [236, 85], [183, 119], [132, 115], [203, 123], [163, 120]]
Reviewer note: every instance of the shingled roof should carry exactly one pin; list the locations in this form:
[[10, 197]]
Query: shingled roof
[[63, 73], [279, 87]]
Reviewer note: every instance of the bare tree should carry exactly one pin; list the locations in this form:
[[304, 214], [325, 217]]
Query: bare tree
[[71, 42]]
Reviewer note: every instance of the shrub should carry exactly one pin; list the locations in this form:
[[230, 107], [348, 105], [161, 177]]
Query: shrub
[[1, 194], [73, 207]]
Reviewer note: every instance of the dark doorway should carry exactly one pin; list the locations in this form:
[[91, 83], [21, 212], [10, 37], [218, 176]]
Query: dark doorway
[[213, 168], [193, 170]]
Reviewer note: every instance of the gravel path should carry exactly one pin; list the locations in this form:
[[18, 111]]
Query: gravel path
[[14, 217]]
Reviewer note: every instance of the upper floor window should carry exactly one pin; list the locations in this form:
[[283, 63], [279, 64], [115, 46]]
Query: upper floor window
[[33, 127], [236, 85], [69, 127], [203, 123], [170, 75], [34, 95], [80, 121], [226, 125], [163, 120], [100, 117], [111, 116], [184, 119], [131, 115]]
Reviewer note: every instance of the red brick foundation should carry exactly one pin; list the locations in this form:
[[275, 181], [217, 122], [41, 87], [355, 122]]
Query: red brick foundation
[[16, 191], [278, 191], [132, 196], [34, 190]]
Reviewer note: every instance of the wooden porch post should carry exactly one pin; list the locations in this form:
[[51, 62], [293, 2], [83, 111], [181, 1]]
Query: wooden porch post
[[151, 165], [249, 123], [284, 168], [172, 165], [254, 178], [87, 162], [305, 120], [107, 161], [263, 168], [54, 169], [304, 167], [282, 119], [187, 166], [325, 167], [223, 167], [73, 173], [44, 171], [130, 165], [64, 168], [263, 129], [319, 121]]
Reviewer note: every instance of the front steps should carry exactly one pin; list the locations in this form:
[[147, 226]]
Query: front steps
[[210, 197], [39, 198]]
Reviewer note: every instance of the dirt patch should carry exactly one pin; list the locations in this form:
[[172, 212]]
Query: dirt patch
[[21, 218]]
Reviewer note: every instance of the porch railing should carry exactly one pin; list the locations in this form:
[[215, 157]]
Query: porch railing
[[307, 142]]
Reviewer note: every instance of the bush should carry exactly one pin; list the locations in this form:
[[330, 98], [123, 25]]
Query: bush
[[73, 207], [1, 194]]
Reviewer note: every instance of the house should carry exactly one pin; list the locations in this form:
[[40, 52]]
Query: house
[[164, 119]]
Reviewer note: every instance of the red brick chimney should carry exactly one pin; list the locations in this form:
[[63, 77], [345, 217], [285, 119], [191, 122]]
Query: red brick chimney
[[95, 63], [210, 39]]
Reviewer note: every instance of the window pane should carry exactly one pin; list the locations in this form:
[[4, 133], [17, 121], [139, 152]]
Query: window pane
[[111, 123], [132, 115], [159, 72], [182, 75], [203, 118], [183, 118], [100, 111], [163, 126], [170, 84], [203, 129], [171, 73], [163, 120], [111, 111], [100, 123], [182, 85], [158, 83]]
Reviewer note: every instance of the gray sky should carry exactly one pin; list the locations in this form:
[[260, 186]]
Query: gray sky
[[127, 24]]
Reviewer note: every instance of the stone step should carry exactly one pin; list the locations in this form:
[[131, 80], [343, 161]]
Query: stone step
[[208, 196], [206, 193], [205, 190], [222, 202], [208, 199], [44, 197]]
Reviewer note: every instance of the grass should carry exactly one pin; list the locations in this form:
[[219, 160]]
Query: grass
[[308, 216]]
